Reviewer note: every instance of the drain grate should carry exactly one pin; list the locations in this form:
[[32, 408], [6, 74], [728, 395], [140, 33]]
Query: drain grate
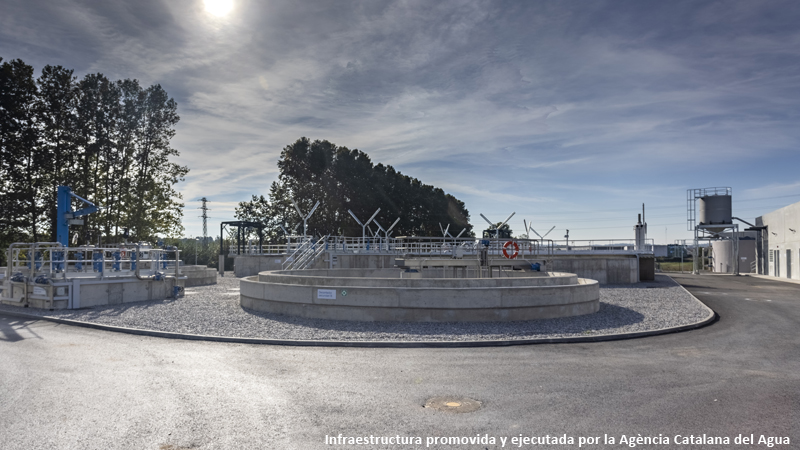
[[453, 404]]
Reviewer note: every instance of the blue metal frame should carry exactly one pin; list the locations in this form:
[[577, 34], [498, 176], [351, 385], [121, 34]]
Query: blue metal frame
[[65, 212]]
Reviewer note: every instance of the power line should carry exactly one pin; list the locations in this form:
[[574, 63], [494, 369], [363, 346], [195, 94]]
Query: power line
[[205, 218], [682, 206]]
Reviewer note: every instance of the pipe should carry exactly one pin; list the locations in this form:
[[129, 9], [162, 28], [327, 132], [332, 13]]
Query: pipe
[[57, 244], [747, 223], [139, 267]]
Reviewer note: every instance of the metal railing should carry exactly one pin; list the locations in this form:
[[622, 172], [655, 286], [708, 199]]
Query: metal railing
[[303, 259], [44, 261], [437, 246], [266, 249]]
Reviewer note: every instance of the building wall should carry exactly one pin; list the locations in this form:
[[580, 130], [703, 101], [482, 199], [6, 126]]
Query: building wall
[[782, 241], [661, 251]]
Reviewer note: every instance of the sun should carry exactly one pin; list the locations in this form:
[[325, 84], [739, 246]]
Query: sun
[[218, 8]]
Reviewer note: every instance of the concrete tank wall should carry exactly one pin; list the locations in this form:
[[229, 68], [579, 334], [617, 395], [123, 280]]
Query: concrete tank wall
[[336, 294], [199, 275], [249, 265], [606, 269]]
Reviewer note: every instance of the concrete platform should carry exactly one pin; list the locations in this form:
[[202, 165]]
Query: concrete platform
[[86, 292]]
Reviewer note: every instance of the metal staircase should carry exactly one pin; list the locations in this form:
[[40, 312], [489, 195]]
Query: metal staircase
[[305, 255]]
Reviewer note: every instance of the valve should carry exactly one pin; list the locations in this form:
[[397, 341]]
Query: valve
[[18, 278], [79, 261], [117, 258], [97, 261], [58, 260]]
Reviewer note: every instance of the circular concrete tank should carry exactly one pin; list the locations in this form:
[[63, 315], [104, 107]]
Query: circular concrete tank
[[389, 295]]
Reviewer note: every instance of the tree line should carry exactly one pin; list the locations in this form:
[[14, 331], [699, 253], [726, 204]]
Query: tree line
[[107, 140], [342, 179]]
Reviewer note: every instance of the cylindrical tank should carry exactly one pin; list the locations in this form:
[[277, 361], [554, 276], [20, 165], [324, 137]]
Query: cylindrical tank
[[714, 209], [723, 255], [640, 231]]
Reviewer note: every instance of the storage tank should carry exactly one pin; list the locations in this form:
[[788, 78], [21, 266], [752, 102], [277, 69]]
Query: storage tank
[[723, 255], [640, 233], [714, 209]]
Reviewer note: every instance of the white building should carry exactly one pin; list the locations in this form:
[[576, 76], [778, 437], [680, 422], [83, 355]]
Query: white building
[[779, 249]]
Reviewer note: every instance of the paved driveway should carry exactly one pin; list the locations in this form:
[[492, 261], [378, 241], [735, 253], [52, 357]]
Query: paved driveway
[[69, 387]]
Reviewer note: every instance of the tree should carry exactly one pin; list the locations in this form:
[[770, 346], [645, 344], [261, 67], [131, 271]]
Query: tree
[[56, 116], [156, 174], [504, 229], [343, 179], [20, 163], [108, 140]]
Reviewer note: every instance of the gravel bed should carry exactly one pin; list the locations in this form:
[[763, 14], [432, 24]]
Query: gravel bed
[[215, 311]]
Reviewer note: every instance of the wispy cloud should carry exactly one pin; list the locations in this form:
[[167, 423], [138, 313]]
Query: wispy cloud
[[543, 104]]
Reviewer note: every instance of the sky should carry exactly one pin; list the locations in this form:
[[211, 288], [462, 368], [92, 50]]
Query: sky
[[568, 113]]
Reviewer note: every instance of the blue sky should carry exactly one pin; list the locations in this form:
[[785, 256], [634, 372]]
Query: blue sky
[[570, 114]]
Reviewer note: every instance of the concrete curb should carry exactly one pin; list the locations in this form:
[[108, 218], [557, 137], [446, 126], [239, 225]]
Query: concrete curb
[[713, 317], [769, 277]]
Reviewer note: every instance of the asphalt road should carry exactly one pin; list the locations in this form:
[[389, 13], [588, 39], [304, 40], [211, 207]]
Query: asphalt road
[[71, 387]]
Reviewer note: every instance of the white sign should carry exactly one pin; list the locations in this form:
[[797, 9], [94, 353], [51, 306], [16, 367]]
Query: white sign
[[329, 294], [39, 290], [277, 261]]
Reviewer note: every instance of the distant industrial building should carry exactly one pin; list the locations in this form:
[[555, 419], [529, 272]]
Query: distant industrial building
[[779, 244], [677, 251], [661, 251]]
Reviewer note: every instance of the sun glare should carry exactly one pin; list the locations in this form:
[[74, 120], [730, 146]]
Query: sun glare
[[218, 8]]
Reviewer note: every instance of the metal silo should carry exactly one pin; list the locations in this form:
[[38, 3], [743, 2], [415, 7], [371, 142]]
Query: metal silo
[[709, 213], [713, 210]]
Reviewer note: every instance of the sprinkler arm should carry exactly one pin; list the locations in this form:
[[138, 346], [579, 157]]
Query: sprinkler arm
[[487, 220], [509, 218], [354, 217], [313, 209], [373, 216], [390, 228]]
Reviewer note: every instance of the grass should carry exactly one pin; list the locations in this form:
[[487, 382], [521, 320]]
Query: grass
[[675, 266]]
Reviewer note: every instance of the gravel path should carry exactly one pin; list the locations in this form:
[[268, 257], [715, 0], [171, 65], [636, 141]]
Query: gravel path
[[214, 310]]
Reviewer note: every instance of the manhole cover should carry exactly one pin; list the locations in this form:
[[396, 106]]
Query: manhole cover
[[453, 404]]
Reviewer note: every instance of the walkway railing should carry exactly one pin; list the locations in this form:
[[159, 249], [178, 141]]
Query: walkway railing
[[50, 260], [437, 246], [304, 257]]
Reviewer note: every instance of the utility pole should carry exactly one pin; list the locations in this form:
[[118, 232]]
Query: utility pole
[[205, 219]]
